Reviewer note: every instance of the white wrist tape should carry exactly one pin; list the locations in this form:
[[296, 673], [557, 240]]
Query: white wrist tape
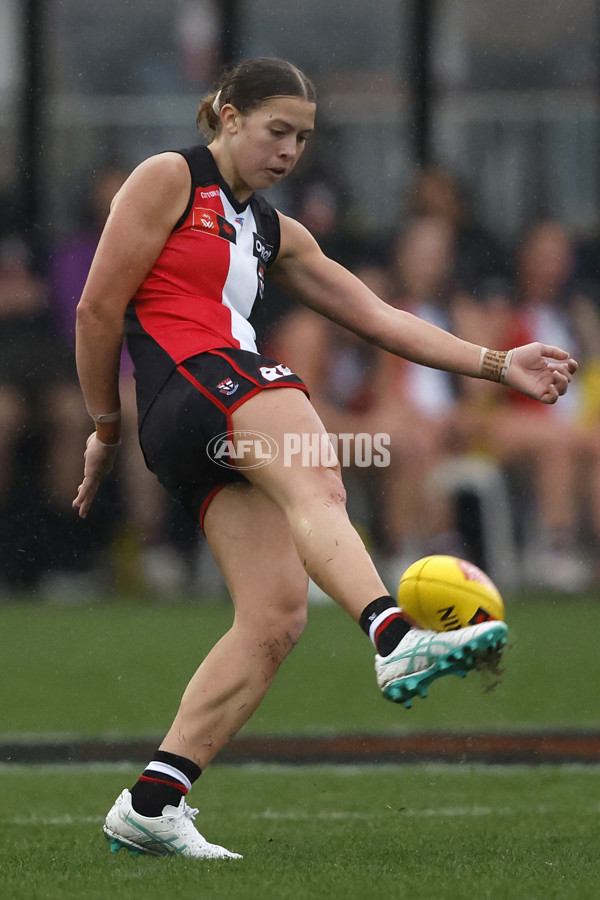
[[103, 418], [505, 367]]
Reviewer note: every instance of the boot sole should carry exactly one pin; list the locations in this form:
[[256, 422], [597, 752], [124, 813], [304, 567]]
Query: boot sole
[[476, 653]]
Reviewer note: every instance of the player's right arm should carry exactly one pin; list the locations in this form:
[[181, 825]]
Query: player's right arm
[[142, 216]]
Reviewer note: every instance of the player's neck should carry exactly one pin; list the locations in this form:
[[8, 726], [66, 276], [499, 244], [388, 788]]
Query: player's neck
[[229, 172]]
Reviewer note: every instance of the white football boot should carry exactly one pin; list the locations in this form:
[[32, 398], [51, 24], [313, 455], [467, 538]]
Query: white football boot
[[422, 656], [173, 833]]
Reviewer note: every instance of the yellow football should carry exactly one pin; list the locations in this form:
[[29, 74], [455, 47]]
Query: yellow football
[[443, 593]]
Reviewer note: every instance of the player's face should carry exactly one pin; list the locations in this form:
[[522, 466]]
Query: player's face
[[266, 143]]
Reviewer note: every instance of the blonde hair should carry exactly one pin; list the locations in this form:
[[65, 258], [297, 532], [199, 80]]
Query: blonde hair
[[248, 85]]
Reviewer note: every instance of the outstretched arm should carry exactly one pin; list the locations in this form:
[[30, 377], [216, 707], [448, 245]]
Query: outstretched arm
[[538, 370]]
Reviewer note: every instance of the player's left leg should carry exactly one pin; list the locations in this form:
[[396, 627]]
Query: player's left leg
[[252, 545], [251, 542]]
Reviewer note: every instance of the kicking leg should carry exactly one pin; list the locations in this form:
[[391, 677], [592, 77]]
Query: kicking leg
[[312, 498]]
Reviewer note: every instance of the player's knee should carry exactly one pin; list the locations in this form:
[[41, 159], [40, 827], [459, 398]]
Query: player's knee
[[289, 625], [326, 484], [280, 629]]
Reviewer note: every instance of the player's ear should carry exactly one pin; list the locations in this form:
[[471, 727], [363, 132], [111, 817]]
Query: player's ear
[[230, 118]]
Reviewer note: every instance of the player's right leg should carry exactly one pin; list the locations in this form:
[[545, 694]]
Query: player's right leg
[[312, 498]]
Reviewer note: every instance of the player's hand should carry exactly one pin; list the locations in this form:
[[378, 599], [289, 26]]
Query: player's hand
[[541, 371], [98, 462]]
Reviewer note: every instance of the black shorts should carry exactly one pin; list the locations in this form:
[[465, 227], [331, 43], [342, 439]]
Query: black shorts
[[193, 408]]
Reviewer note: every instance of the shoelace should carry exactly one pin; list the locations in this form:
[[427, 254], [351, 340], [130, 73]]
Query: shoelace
[[190, 812]]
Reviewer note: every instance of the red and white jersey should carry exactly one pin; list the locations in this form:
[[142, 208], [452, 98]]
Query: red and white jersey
[[208, 279]]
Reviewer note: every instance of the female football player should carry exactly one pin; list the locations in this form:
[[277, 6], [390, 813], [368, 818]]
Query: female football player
[[182, 261]]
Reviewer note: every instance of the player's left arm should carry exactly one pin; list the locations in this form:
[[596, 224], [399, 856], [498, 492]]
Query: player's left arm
[[538, 370]]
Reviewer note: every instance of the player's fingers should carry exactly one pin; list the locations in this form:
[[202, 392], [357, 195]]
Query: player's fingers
[[550, 397], [561, 369], [568, 367], [561, 383], [85, 495], [553, 352], [79, 504]]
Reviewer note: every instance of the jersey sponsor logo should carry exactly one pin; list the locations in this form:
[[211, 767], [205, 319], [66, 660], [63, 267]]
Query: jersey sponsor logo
[[206, 194], [272, 373], [262, 249], [212, 222], [228, 386]]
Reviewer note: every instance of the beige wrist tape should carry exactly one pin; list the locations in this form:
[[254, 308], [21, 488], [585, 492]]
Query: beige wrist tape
[[105, 418], [494, 364]]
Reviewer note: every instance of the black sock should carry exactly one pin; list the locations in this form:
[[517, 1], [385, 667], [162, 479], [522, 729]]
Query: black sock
[[385, 624], [163, 782]]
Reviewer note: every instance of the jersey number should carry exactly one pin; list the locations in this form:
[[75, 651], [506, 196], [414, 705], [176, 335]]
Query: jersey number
[[272, 373]]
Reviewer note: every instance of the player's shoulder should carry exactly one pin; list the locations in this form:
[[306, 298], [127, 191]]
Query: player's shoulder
[[159, 181], [170, 167]]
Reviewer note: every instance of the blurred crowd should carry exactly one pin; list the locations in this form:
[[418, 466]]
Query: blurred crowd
[[438, 263]]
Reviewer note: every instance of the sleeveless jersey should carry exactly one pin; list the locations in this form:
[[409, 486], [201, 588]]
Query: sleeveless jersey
[[208, 280]]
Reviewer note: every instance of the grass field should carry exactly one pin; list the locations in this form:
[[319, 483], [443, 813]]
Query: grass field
[[446, 832]]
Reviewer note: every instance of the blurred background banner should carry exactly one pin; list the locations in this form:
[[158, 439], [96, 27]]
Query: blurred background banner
[[506, 96], [455, 169]]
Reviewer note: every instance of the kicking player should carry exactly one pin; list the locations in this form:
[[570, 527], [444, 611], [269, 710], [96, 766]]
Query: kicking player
[[182, 260]]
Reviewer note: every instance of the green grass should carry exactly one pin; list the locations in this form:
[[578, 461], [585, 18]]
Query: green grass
[[443, 832], [118, 669], [450, 833]]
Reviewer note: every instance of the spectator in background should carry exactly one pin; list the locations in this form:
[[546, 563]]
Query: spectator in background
[[145, 556], [478, 256], [423, 402], [519, 434], [586, 319], [38, 430], [70, 260], [197, 28], [321, 210]]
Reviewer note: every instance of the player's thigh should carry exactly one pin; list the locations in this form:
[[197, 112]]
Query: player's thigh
[[306, 465], [253, 547]]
